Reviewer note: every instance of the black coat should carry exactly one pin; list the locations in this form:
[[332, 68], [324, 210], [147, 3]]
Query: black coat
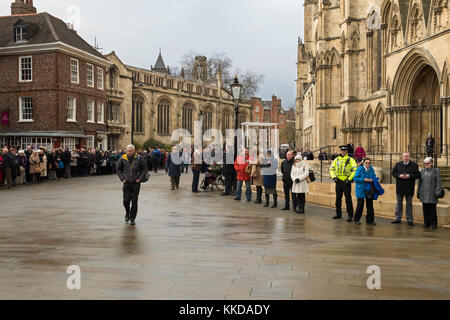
[[130, 172], [286, 168], [228, 167], [174, 169], [406, 186]]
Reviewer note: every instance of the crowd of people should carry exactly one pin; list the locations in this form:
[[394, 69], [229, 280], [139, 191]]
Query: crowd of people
[[33, 166], [250, 169]]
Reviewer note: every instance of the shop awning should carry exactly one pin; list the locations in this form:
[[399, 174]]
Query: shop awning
[[47, 134]]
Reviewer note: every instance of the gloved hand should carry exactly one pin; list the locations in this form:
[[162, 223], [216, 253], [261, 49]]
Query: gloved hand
[[297, 180], [347, 181], [335, 180]]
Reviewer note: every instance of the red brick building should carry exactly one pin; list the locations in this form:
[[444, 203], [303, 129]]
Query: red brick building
[[271, 112], [52, 83]]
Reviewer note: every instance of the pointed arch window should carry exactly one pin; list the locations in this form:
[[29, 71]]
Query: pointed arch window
[[186, 115], [138, 114], [226, 121], [208, 119], [163, 117]]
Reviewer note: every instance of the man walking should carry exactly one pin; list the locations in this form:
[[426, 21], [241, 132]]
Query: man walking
[[342, 172], [286, 168], [131, 170], [405, 172]]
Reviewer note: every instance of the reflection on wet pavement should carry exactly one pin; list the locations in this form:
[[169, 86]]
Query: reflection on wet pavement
[[203, 246]]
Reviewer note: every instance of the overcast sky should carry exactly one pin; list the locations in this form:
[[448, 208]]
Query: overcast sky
[[258, 35]]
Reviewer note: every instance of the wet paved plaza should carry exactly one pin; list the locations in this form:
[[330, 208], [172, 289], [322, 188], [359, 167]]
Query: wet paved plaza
[[203, 246]]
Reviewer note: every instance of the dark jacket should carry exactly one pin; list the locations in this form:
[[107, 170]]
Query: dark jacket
[[10, 160], [286, 168], [174, 169], [406, 186], [228, 167], [133, 170], [66, 157]]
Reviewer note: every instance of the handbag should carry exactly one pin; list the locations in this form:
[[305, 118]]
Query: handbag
[[442, 193], [311, 177], [37, 170]]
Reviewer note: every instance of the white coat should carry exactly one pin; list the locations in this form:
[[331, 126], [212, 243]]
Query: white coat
[[300, 171]]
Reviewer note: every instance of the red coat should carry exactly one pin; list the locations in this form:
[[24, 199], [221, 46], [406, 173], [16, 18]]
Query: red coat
[[360, 153], [240, 165]]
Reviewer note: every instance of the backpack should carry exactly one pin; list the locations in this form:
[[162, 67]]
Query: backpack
[[442, 193]]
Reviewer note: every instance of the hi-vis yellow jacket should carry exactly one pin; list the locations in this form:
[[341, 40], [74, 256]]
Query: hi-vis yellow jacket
[[343, 168]]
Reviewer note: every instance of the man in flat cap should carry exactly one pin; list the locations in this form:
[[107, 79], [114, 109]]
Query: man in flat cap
[[342, 172]]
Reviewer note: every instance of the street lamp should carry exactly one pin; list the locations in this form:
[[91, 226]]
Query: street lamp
[[236, 90]]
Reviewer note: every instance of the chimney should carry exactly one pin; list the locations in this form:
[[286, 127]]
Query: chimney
[[22, 7]]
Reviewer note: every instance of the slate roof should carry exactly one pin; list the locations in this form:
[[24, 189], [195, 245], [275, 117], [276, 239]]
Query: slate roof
[[50, 29]]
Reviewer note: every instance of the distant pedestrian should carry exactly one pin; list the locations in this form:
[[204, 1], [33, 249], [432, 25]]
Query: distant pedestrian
[[240, 165], [299, 176], [365, 192], [342, 171], [360, 153], [197, 165], [173, 167], [269, 166], [286, 168], [229, 172], [132, 170], [429, 144], [429, 191], [405, 172]]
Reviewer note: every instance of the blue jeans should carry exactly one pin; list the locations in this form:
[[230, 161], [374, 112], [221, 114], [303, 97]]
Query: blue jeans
[[248, 189]]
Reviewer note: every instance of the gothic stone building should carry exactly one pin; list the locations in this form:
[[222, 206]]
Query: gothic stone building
[[163, 103], [375, 71], [51, 83]]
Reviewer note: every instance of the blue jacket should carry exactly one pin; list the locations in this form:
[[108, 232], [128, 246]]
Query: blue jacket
[[360, 175]]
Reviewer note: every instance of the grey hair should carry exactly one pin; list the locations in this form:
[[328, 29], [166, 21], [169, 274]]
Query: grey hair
[[131, 146], [428, 159]]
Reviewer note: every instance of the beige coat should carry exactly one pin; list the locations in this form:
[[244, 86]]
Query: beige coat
[[44, 166], [34, 163], [301, 172], [256, 167]]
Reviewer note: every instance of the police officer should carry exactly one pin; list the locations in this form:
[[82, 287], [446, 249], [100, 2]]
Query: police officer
[[342, 172]]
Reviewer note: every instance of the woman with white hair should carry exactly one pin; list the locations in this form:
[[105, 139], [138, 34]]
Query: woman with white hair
[[429, 192], [299, 175]]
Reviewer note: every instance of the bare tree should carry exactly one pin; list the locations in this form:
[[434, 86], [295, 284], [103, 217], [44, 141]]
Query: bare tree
[[220, 61]]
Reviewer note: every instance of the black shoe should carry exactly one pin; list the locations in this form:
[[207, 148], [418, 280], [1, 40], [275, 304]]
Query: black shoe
[[425, 226], [372, 223], [274, 205], [127, 218], [411, 224], [266, 205], [224, 194], [248, 200], [349, 219], [285, 209], [396, 222], [433, 227], [132, 223], [258, 201], [300, 211], [357, 222], [337, 217], [237, 199]]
